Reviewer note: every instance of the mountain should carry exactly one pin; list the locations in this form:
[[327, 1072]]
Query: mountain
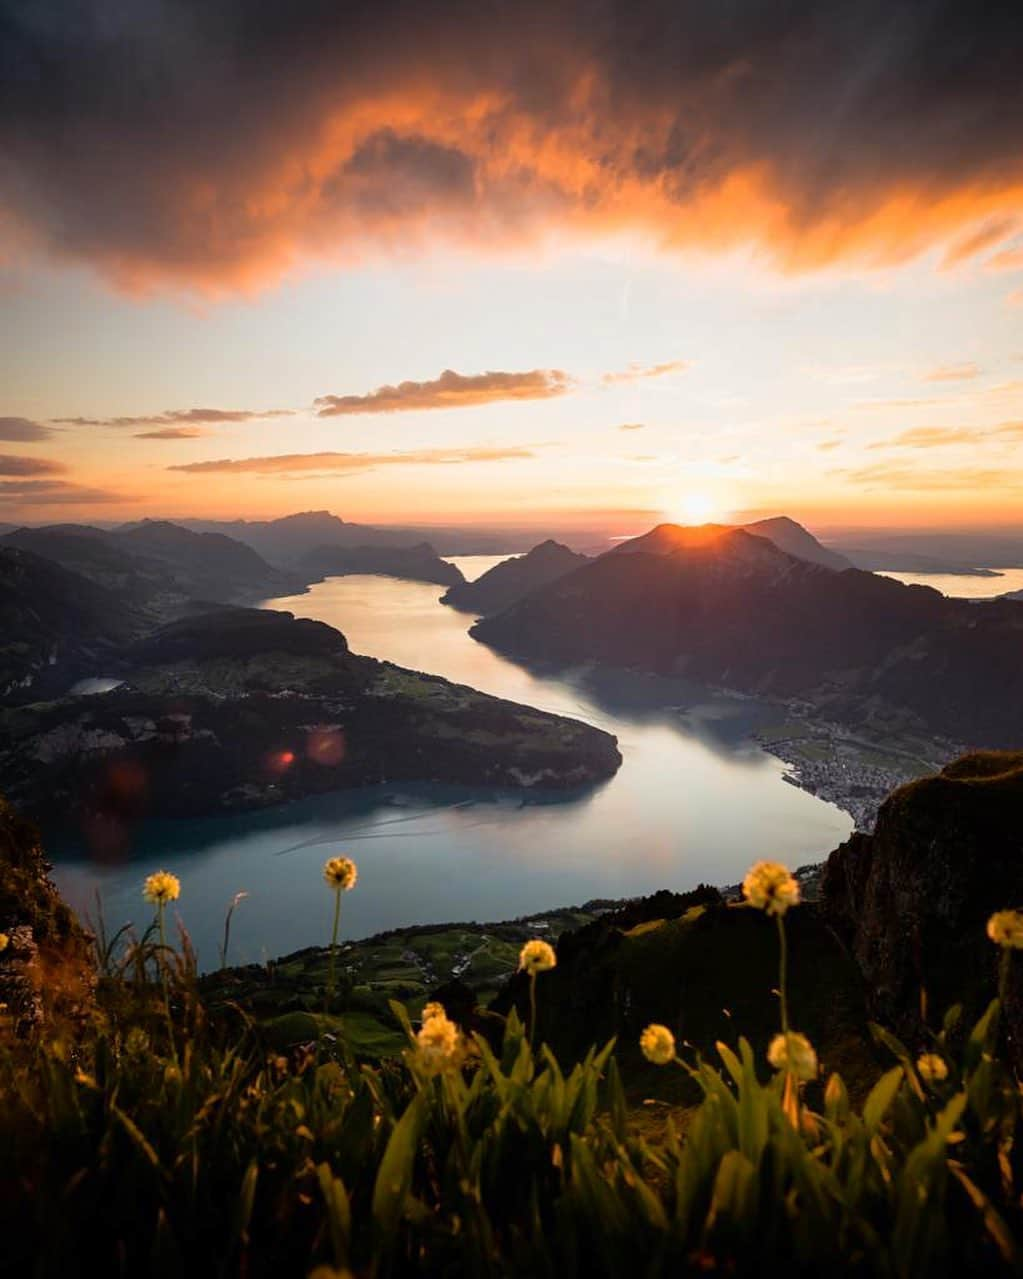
[[786, 534], [911, 900], [156, 564], [789, 536], [506, 583], [414, 563], [731, 609], [56, 626], [244, 708]]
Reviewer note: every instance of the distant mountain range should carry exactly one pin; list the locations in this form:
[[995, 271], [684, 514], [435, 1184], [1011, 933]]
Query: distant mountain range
[[732, 608], [286, 540], [963, 553]]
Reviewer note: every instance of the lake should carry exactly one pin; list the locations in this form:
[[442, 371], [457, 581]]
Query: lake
[[964, 586], [695, 800]]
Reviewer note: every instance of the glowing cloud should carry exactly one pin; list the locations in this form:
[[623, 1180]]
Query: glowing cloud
[[175, 417], [449, 391], [819, 132]]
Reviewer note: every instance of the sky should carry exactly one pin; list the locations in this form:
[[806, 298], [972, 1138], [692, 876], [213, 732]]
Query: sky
[[501, 264]]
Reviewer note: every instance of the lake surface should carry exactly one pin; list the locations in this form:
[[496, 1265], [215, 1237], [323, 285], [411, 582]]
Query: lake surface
[[695, 800], [966, 588]]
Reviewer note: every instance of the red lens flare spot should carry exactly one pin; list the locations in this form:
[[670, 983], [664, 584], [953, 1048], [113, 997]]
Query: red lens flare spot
[[326, 746]]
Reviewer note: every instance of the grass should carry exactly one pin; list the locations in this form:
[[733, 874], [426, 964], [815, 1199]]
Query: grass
[[169, 1134]]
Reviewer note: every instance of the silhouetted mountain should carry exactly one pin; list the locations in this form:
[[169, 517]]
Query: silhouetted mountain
[[784, 533], [733, 610], [156, 564], [56, 626], [415, 563], [243, 708], [789, 536], [506, 583]]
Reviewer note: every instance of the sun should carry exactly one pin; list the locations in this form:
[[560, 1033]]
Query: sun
[[696, 508]]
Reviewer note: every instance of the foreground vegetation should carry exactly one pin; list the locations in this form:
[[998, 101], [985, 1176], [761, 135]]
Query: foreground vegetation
[[155, 1138]]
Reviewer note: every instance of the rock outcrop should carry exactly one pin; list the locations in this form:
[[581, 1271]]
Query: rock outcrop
[[46, 967], [913, 899]]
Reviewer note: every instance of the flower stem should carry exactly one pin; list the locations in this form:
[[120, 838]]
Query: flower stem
[[532, 1007], [333, 949], [783, 967]]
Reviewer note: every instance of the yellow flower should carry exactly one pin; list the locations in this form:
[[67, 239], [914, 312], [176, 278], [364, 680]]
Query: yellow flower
[[341, 873], [793, 1053], [5, 941], [931, 1068], [657, 1044], [438, 1044], [537, 957], [433, 1009], [161, 887], [770, 886], [1005, 928]]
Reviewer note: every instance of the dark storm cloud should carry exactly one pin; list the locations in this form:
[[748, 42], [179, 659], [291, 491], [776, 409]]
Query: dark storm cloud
[[216, 144]]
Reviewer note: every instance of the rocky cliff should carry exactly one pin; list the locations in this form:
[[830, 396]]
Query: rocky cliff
[[912, 900]]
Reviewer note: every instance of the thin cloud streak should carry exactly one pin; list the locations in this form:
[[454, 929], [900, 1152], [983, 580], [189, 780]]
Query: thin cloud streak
[[21, 430], [176, 417], [637, 372], [15, 465], [325, 463]]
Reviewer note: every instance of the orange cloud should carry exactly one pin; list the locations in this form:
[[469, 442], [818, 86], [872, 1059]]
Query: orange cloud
[[282, 135], [449, 391], [925, 437], [324, 463], [636, 372]]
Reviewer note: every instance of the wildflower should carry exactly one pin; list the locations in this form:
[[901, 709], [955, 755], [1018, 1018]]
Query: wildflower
[[437, 1044], [1005, 928], [770, 886], [794, 1054], [5, 941], [341, 873], [931, 1068], [537, 957], [433, 1009], [161, 887], [657, 1044]]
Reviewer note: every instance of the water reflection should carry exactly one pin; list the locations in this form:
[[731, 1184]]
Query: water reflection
[[694, 800]]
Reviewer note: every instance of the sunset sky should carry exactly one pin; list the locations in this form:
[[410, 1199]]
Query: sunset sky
[[491, 262]]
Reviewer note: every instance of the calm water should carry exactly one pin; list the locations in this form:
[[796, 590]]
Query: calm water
[[694, 800], [967, 588]]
